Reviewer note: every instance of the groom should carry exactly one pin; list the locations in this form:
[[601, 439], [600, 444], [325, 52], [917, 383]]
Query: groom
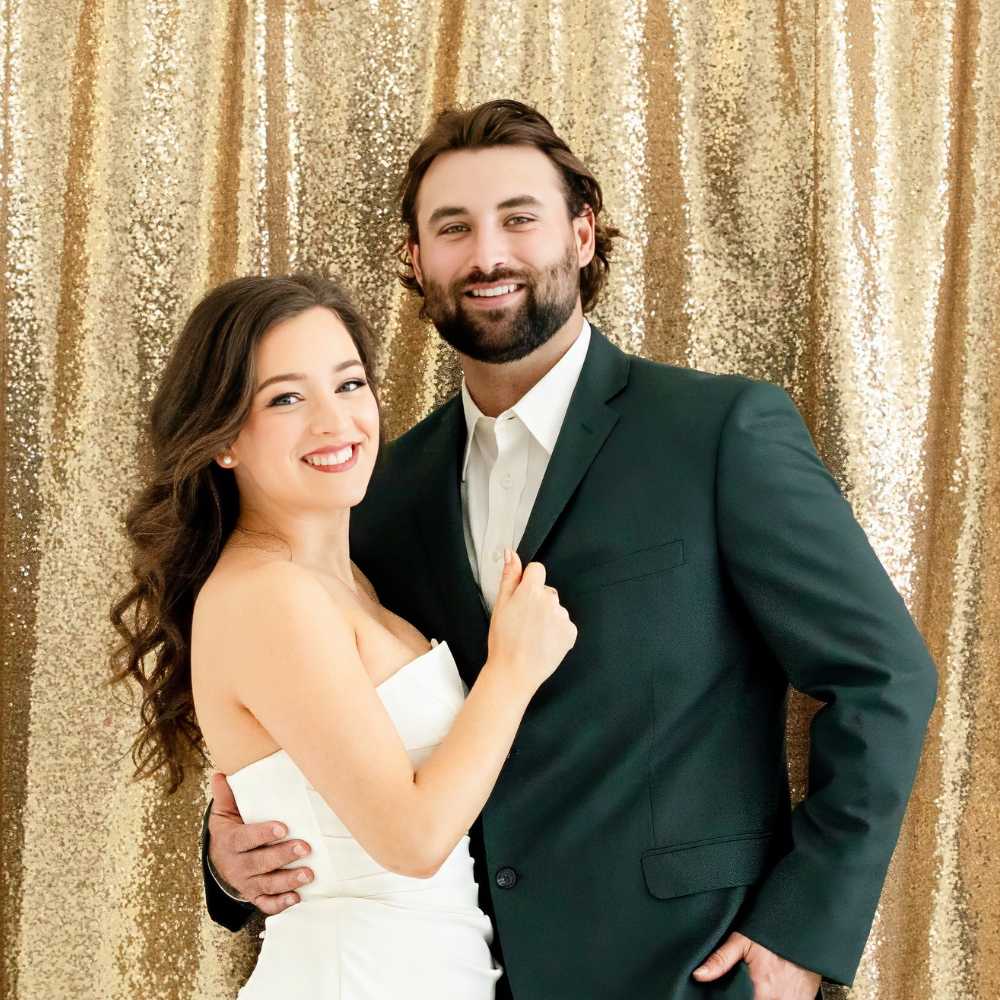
[[639, 841]]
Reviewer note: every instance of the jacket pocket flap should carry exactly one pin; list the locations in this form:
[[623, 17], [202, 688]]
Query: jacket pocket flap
[[628, 567], [704, 866]]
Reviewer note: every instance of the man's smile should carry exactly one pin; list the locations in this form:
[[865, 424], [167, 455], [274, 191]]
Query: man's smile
[[495, 295]]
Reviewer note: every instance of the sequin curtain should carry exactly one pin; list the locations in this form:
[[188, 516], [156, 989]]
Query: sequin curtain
[[811, 193]]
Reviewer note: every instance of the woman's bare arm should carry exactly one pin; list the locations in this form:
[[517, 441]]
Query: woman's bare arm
[[294, 664]]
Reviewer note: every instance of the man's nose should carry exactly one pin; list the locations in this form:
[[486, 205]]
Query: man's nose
[[490, 250]]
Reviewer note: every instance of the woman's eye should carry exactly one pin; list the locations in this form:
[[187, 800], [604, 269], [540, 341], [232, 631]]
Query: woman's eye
[[352, 384], [285, 399]]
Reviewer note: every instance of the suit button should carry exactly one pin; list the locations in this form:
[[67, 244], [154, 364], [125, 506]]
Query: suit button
[[506, 878]]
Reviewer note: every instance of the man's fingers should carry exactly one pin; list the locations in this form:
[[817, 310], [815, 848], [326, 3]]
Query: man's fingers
[[270, 905], [278, 883], [264, 860], [723, 958], [255, 835], [535, 573]]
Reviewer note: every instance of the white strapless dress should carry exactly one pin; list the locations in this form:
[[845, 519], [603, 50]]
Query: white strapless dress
[[361, 932]]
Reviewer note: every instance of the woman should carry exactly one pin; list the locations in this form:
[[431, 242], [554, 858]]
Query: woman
[[249, 627]]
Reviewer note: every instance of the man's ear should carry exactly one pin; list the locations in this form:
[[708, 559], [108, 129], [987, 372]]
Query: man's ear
[[413, 250], [584, 226]]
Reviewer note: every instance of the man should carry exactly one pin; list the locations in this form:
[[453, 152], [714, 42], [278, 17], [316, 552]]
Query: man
[[639, 842]]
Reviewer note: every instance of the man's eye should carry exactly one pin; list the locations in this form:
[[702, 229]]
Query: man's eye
[[352, 384], [285, 399], [519, 219], [449, 230]]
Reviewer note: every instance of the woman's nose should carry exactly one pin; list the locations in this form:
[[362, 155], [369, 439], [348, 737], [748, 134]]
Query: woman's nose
[[330, 417]]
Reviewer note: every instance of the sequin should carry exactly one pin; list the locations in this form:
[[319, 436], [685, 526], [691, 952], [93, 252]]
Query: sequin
[[810, 193]]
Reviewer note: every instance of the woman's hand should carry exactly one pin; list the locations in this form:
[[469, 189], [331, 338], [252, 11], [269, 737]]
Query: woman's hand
[[531, 631]]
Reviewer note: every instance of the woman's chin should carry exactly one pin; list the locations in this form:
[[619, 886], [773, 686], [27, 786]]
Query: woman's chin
[[340, 496]]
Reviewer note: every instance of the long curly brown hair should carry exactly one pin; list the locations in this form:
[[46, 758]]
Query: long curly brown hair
[[180, 520]]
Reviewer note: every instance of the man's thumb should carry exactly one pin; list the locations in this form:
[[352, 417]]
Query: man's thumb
[[225, 801], [723, 958], [511, 576]]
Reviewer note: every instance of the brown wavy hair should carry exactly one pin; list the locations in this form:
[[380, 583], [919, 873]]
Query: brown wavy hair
[[179, 521], [507, 123]]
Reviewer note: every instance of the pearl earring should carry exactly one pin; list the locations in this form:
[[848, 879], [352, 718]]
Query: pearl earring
[[228, 460]]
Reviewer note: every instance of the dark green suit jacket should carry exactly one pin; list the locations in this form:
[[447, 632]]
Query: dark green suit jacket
[[709, 561]]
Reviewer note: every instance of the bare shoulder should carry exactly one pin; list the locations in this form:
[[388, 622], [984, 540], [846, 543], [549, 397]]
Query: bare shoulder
[[248, 596]]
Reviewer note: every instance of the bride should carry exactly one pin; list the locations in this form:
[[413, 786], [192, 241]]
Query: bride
[[252, 635]]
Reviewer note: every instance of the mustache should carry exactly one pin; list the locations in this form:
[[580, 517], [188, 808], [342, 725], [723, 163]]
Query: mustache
[[500, 274]]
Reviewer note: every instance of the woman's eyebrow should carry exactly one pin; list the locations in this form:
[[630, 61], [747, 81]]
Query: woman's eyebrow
[[295, 377], [298, 377]]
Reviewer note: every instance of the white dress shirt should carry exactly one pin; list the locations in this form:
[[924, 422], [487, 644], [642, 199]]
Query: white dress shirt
[[505, 460]]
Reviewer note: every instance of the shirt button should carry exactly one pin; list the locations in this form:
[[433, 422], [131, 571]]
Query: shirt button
[[506, 482], [506, 878], [497, 554]]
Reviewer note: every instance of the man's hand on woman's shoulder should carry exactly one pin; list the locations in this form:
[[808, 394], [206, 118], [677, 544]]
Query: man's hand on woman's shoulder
[[251, 858]]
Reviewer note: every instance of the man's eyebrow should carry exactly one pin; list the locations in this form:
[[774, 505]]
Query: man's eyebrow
[[446, 212], [450, 211], [298, 377], [521, 201]]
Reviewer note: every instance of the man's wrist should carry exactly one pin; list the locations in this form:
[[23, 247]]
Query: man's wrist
[[232, 893], [227, 889]]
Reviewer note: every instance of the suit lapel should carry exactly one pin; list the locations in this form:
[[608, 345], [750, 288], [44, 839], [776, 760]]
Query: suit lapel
[[441, 526], [587, 425]]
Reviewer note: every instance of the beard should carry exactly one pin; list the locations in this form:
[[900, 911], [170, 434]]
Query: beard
[[498, 336]]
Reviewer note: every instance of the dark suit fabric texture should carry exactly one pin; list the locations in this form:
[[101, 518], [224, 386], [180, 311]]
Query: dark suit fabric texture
[[709, 561]]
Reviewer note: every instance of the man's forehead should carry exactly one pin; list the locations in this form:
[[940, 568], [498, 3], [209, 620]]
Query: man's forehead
[[495, 178]]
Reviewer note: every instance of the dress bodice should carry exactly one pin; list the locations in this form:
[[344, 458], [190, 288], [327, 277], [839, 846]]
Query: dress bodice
[[422, 699], [362, 932]]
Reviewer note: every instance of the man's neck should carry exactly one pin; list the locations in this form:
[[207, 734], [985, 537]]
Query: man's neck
[[495, 388]]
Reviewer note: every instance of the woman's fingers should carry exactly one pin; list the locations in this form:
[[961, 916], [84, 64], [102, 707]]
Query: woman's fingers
[[510, 578]]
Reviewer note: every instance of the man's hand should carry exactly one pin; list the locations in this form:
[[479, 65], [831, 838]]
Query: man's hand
[[248, 857], [774, 977]]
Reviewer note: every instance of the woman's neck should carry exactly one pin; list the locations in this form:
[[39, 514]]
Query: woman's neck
[[320, 542]]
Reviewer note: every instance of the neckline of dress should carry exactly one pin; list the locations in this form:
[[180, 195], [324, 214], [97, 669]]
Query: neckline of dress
[[435, 646]]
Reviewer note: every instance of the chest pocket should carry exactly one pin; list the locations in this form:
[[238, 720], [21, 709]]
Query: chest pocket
[[645, 562]]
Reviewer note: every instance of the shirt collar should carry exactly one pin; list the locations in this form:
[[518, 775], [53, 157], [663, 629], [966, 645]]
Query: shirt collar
[[542, 408]]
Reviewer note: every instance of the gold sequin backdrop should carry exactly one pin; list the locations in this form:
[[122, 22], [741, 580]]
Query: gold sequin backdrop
[[811, 193]]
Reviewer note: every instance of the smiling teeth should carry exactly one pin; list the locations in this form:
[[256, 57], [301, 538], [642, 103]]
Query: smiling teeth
[[331, 458], [487, 292]]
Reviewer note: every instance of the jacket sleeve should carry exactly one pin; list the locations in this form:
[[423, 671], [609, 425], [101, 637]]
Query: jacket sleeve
[[823, 603], [224, 909]]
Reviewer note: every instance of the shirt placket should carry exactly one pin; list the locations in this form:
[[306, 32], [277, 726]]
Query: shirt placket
[[506, 484]]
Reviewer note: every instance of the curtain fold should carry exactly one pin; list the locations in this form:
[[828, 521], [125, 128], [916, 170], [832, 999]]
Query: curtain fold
[[810, 191]]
